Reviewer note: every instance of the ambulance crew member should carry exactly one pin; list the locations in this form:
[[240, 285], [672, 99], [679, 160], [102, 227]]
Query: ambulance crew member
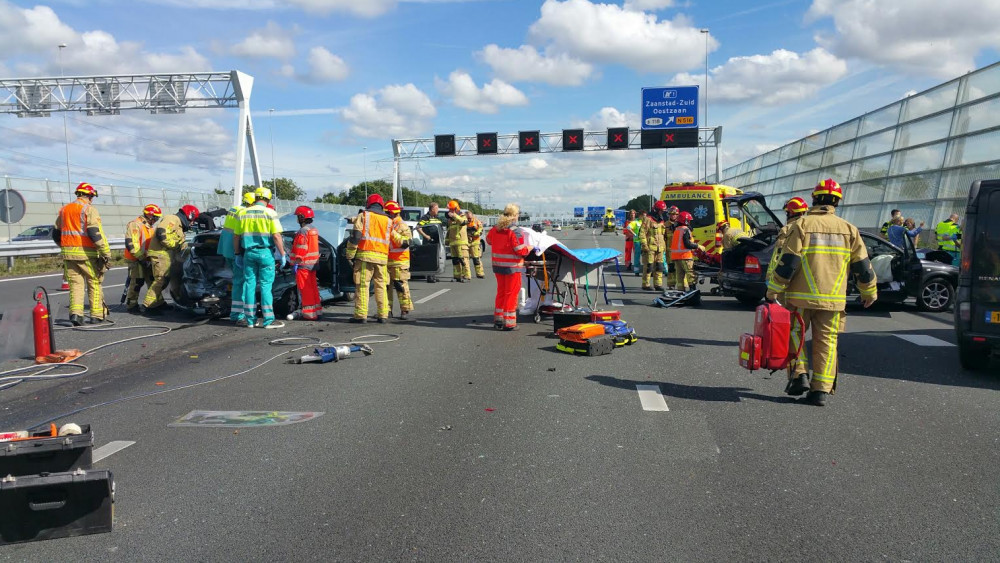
[[458, 241], [256, 236], [368, 248], [474, 228], [305, 256], [631, 230], [653, 246], [508, 250], [226, 248], [138, 233], [811, 278], [949, 237], [682, 248], [166, 250], [85, 253], [399, 260]]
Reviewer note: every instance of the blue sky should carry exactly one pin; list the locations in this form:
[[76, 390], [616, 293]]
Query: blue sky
[[344, 77]]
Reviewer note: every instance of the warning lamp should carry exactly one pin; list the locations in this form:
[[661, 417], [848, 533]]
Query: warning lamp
[[486, 143], [527, 141], [444, 145], [617, 137], [572, 140]]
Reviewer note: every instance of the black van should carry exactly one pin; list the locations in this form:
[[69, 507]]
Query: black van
[[977, 311]]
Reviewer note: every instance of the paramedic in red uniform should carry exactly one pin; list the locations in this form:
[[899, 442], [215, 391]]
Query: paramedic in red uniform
[[508, 252], [305, 256]]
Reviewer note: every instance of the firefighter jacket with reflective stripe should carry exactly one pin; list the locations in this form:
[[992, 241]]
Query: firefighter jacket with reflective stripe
[[228, 227], [81, 235], [732, 235], [948, 235], [369, 240], [681, 245], [256, 226], [137, 236], [399, 243], [653, 235], [169, 236], [475, 230], [780, 243], [456, 230], [509, 250], [305, 248], [820, 252]]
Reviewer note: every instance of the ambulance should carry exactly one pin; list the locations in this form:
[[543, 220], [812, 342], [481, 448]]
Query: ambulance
[[705, 204]]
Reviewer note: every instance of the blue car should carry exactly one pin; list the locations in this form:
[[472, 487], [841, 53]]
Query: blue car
[[38, 232]]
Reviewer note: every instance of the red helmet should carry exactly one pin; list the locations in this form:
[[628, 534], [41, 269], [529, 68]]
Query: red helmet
[[190, 211], [673, 209], [152, 209], [828, 187], [660, 205], [392, 207], [721, 225], [85, 189], [684, 218], [796, 205], [373, 199], [305, 212]]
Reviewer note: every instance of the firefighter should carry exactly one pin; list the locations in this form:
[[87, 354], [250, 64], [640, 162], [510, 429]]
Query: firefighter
[[474, 228], [631, 230], [429, 228], [672, 212], [682, 248], [304, 257], [508, 250], [226, 248], [256, 236], [166, 250], [653, 245], [138, 233], [794, 208], [85, 253], [458, 241], [368, 248], [811, 279], [399, 260], [730, 236], [949, 237]]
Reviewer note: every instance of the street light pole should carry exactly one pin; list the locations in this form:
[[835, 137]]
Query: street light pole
[[69, 182], [270, 130], [364, 163], [705, 31]]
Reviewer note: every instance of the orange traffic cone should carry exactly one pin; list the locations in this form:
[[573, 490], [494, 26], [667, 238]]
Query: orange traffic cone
[[64, 286]]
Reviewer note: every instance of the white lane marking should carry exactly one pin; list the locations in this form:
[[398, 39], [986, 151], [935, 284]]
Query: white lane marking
[[105, 287], [432, 296], [110, 449], [617, 302], [651, 398], [48, 276], [612, 285], [924, 340]]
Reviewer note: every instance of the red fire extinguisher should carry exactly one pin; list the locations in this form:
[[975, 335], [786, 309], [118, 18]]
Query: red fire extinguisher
[[42, 324]]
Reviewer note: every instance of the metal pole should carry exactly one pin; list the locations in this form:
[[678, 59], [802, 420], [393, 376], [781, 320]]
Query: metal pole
[[69, 182], [270, 130], [705, 31], [364, 163]]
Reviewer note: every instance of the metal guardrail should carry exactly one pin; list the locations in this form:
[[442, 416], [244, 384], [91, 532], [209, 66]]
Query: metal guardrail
[[39, 247]]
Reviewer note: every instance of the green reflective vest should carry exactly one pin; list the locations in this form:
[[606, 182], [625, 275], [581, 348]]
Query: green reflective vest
[[948, 234]]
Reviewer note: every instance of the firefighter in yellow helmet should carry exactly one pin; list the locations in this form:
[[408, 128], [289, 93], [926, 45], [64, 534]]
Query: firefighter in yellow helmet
[[399, 260], [474, 229], [368, 249], [85, 253], [166, 251], [458, 240], [138, 233], [821, 250]]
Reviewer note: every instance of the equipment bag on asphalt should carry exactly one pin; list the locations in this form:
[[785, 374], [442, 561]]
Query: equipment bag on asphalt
[[55, 505], [599, 316], [596, 346], [620, 331], [773, 325], [581, 332]]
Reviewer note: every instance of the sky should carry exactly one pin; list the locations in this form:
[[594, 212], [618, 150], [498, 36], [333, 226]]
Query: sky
[[337, 80]]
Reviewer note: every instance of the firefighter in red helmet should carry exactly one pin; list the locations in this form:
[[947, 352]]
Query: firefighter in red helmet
[[167, 247], [682, 248]]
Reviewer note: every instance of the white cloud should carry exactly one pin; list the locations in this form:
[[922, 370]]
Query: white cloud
[[35, 30], [465, 94], [364, 8], [273, 41], [917, 36], [608, 33], [779, 78], [394, 111], [647, 5], [526, 64], [608, 117], [325, 67], [182, 139]]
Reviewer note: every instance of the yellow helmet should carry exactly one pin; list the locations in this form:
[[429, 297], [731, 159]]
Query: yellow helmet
[[263, 193], [248, 199]]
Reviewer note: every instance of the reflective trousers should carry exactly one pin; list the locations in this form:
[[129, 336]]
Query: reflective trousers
[[236, 293], [364, 274], [305, 280], [258, 267], [652, 264], [505, 307], [399, 282], [628, 251], [476, 252], [826, 326], [85, 277], [160, 263], [138, 274], [684, 277], [460, 261]]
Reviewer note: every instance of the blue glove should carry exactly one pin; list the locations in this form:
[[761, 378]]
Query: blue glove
[[239, 261], [284, 261]]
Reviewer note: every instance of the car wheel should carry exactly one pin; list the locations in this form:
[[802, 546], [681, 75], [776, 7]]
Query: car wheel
[[287, 303], [349, 295], [973, 358], [747, 299], [935, 296]]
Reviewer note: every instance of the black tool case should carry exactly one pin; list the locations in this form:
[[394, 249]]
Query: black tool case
[[569, 318], [55, 505], [50, 455]]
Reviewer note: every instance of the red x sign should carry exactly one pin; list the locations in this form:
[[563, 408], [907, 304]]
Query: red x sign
[[669, 137], [573, 139], [618, 138], [487, 142], [529, 141]]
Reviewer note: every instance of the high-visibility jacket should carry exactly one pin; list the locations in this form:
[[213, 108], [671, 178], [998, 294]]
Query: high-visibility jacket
[[681, 245], [81, 235], [885, 229], [948, 235], [305, 248], [399, 235], [632, 229], [509, 250], [256, 226], [653, 233], [228, 227], [169, 236], [137, 236], [475, 230], [456, 230], [369, 240], [820, 252]]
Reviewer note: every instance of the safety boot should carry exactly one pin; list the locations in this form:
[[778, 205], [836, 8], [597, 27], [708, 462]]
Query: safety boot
[[647, 288], [658, 288], [817, 398], [77, 320], [382, 320], [798, 385], [133, 309], [360, 321]]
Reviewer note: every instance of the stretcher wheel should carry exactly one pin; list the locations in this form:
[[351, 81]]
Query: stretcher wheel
[[538, 318]]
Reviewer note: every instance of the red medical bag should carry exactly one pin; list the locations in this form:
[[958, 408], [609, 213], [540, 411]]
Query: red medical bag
[[750, 351], [772, 329]]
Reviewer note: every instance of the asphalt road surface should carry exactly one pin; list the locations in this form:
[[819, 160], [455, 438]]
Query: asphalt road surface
[[459, 443]]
